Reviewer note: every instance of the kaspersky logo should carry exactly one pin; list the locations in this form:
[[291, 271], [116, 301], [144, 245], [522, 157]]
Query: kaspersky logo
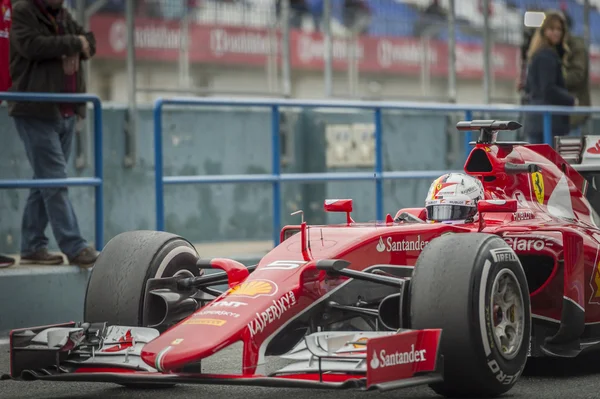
[[398, 246], [397, 358]]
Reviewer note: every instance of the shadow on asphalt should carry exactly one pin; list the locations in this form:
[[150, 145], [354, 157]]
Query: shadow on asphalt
[[584, 364]]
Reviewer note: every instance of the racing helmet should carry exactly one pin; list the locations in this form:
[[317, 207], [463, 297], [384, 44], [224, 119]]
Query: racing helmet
[[453, 197]]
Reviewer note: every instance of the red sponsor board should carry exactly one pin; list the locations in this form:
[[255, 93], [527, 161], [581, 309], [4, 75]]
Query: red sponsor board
[[399, 356], [224, 45]]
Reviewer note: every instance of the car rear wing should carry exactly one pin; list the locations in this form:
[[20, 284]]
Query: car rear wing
[[582, 153], [488, 128]]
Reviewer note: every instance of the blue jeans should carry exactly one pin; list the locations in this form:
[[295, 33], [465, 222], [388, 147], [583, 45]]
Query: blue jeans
[[48, 146]]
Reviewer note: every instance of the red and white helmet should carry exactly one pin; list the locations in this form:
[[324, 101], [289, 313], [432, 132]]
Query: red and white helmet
[[453, 197]]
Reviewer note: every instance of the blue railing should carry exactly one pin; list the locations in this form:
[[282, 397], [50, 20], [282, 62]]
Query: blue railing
[[96, 181], [276, 177]]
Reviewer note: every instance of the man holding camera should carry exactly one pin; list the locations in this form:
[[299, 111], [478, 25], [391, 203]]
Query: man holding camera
[[577, 76], [47, 47]]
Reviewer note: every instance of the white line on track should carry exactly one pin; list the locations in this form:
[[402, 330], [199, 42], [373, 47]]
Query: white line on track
[[4, 341]]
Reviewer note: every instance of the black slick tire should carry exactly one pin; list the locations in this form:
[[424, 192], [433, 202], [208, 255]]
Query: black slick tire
[[451, 289], [116, 288]]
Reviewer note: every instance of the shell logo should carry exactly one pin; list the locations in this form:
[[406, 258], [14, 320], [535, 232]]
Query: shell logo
[[363, 343], [254, 289]]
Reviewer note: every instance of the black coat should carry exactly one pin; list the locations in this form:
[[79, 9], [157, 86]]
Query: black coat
[[36, 58], [545, 85]]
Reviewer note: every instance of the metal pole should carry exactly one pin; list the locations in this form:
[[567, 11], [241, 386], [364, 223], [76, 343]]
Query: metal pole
[[80, 12], [99, 173], [468, 135], [426, 58], [159, 184], [84, 127], [285, 49], [351, 64], [452, 51], [328, 48], [272, 66], [184, 52], [487, 69], [276, 171], [379, 200], [586, 23], [130, 135]]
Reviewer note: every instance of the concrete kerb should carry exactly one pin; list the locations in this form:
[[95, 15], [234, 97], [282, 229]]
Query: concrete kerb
[[40, 295]]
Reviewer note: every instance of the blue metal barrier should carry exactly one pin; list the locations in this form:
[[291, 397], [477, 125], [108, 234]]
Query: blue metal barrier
[[276, 177], [96, 181]]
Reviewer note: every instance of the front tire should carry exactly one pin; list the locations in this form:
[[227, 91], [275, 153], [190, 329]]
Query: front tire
[[473, 287], [116, 289]]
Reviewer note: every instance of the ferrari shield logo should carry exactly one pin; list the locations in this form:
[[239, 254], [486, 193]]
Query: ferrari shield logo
[[597, 281], [537, 180]]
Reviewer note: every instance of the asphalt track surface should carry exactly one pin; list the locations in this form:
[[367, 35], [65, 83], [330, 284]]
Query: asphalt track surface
[[548, 379]]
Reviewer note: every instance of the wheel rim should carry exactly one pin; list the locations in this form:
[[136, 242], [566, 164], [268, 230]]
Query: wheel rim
[[508, 316]]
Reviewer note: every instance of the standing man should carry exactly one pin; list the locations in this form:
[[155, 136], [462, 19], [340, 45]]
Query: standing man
[[46, 49], [5, 82], [577, 76]]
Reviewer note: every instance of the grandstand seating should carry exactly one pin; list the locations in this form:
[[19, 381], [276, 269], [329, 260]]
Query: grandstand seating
[[388, 17]]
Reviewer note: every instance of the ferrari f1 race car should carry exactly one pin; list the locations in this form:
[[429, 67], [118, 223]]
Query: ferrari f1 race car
[[370, 306]]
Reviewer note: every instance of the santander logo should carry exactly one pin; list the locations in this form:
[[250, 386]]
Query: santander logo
[[403, 245], [397, 358], [594, 150], [380, 245], [374, 361]]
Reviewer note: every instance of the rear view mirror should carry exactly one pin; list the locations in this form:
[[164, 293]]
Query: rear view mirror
[[497, 206], [339, 205]]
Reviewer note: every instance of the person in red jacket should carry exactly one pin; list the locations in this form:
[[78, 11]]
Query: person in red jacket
[[5, 82], [5, 20]]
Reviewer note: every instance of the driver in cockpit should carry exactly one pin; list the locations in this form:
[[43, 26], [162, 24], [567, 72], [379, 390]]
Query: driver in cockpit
[[452, 198]]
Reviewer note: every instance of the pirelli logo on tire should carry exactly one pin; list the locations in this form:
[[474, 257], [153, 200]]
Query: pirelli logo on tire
[[504, 255]]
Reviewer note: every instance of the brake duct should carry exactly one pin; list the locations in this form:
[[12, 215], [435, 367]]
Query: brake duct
[[167, 307]]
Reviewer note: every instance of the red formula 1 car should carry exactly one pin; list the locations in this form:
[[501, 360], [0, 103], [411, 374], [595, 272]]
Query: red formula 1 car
[[379, 305]]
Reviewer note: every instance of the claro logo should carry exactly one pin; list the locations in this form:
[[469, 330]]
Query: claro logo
[[527, 243], [396, 358]]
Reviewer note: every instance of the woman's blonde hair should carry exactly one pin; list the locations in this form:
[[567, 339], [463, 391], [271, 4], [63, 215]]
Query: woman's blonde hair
[[539, 40]]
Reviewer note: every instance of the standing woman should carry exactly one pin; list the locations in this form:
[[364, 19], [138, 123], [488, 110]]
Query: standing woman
[[545, 81]]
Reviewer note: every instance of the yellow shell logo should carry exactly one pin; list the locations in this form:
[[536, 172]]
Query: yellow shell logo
[[363, 343], [537, 180], [254, 289], [597, 280]]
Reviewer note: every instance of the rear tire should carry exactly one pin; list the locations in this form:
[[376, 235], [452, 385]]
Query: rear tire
[[452, 289], [116, 288]]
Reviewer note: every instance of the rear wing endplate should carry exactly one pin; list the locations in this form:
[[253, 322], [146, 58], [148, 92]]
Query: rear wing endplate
[[582, 153]]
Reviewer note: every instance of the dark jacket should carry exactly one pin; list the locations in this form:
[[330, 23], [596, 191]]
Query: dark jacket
[[546, 86], [577, 76], [36, 53]]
